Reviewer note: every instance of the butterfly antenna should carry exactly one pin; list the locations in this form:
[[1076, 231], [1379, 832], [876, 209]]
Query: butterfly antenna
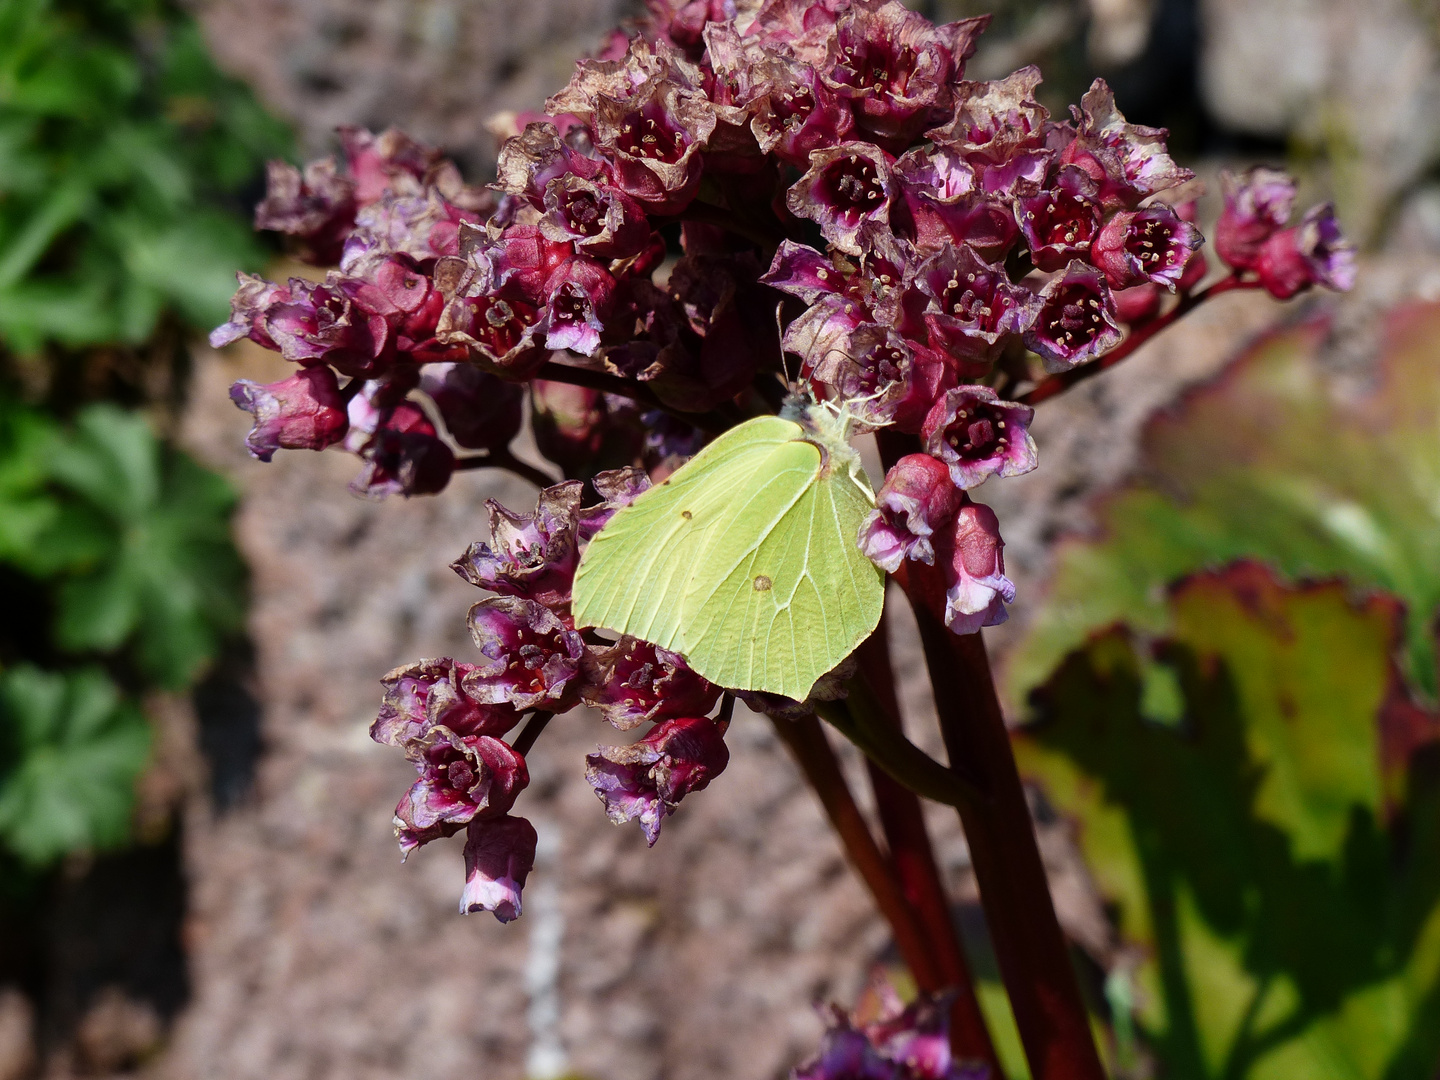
[[780, 336]]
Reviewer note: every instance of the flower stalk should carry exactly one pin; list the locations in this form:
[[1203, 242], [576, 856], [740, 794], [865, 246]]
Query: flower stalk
[[903, 822], [806, 741]]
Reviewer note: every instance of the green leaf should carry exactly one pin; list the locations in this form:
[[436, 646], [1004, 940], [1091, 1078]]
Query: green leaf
[[77, 750], [149, 534], [125, 161], [1289, 910], [1276, 460]]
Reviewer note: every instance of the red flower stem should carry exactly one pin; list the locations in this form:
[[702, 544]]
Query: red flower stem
[[505, 460], [1030, 947], [530, 732], [812, 752], [715, 422], [1056, 384], [903, 822]]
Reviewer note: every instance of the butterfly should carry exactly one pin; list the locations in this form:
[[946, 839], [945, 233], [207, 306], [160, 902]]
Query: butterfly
[[745, 560]]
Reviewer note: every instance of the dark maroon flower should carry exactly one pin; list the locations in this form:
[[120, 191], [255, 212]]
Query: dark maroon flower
[[802, 27], [797, 113], [1258, 203], [428, 694], [496, 291], [530, 161], [322, 324], [978, 436], [1060, 222], [523, 262], [838, 297], [578, 301], [617, 488], [1152, 244], [847, 186], [303, 412], [603, 221], [845, 1054], [632, 682], [316, 207], [1077, 319], [942, 204], [971, 552], [248, 307], [533, 555], [972, 307], [530, 658], [1314, 252], [917, 1039], [629, 77], [502, 333], [481, 412], [883, 378], [371, 408], [999, 128], [845, 295], [647, 779], [390, 161], [1127, 161], [461, 778], [708, 331], [499, 855], [896, 67], [404, 457], [917, 500], [653, 141]]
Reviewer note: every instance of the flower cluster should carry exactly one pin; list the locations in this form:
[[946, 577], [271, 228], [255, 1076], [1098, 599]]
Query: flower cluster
[[450, 717], [729, 184], [904, 1043], [1251, 236]]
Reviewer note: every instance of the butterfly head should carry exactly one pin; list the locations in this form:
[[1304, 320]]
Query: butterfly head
[[828, 425]]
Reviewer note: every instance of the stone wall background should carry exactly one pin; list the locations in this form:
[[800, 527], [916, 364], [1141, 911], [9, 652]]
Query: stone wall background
[[310, 952]]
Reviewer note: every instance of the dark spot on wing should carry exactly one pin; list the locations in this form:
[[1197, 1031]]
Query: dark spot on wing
[[762, 583], [686, 514]]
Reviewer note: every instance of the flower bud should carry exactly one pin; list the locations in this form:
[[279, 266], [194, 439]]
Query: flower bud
[[303, 412], [971, 552], [1257, 205], [647, 779], [917, 500], [499, 855]]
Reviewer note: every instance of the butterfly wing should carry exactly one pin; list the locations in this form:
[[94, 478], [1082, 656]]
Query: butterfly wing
[[633, 576], [781, 593]]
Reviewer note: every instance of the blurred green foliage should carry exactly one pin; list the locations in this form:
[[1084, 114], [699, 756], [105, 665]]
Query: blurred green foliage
[[126, 159], [1279, 460], [128, 166], [125, 545], [1249, 758], [76, 748], [1276, 852]]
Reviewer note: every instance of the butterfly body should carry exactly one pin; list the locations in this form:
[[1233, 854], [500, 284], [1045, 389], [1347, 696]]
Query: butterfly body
[[745, 560]]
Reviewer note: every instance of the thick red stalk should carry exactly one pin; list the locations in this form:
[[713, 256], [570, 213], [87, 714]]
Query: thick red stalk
[[812, 752], [903, 822], [1030, 947]]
